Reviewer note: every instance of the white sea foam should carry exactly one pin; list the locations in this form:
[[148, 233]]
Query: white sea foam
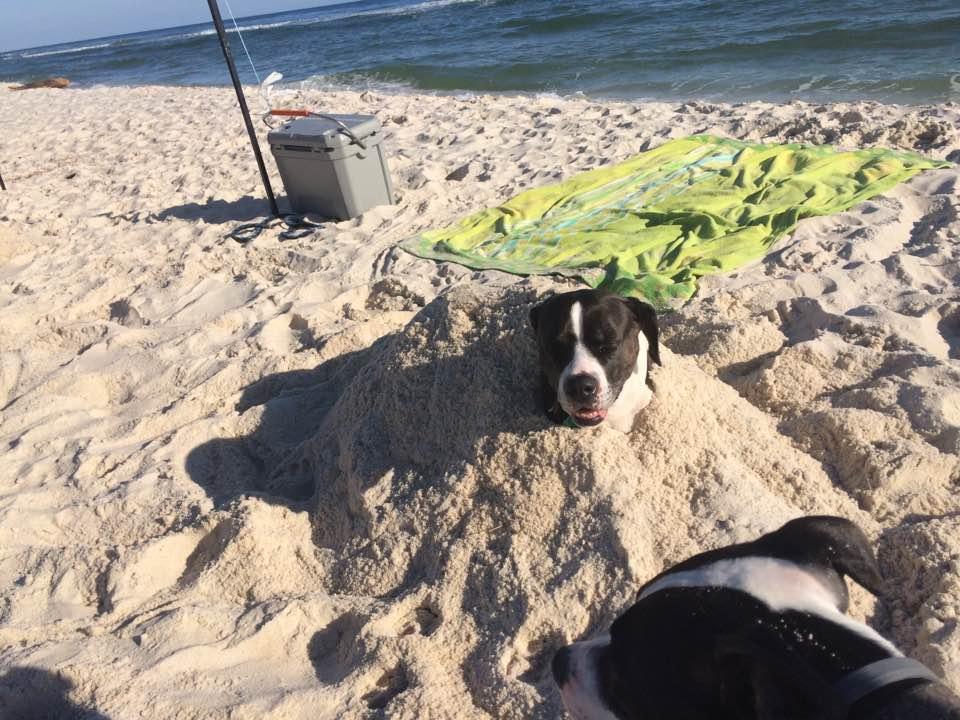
[[64, 51], [335, 17], [412, 9]]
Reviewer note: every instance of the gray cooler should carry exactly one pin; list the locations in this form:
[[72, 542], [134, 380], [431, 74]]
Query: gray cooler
[[333, 169]]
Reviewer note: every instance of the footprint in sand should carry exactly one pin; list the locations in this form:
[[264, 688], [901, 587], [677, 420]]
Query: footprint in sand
[[424, 619], [528, 660], [334, 650], [388, 686], [949, 328]]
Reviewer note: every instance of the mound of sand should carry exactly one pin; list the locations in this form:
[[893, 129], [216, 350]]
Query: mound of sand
[[491, 537]]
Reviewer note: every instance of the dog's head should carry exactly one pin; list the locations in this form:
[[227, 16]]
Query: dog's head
[[590, 343]]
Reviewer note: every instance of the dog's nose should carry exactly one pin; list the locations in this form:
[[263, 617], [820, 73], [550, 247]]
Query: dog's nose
[[560, 665], [583, 387]]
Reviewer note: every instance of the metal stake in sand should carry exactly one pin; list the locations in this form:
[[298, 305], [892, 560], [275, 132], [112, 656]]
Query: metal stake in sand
[[218, 24]]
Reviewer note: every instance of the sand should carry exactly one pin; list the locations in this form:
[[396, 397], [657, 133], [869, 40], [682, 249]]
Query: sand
[[308, 478]]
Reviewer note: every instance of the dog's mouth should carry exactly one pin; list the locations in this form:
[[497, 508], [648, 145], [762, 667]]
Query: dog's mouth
[[588, 417]]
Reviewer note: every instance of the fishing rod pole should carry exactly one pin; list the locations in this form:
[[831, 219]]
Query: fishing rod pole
[[221, 33]]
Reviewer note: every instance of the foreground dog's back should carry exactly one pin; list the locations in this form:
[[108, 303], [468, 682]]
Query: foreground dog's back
[[755, 630]]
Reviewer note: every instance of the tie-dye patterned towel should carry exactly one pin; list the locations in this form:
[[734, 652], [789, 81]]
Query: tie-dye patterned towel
[[652, 225]]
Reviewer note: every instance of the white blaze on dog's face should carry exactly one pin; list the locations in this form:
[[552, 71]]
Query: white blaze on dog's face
[[583, 379], [593, 354], [576, 672]]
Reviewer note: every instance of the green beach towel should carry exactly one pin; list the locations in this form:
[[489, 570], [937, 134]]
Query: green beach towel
[[653, 225]]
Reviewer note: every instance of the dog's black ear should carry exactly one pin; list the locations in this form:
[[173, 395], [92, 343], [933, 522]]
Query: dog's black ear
[[838, 543], [646, 317], [761, 679], [535, 318]]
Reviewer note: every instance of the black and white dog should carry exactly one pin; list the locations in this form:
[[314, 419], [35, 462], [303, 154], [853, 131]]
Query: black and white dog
[[753, 631], [593, 348]]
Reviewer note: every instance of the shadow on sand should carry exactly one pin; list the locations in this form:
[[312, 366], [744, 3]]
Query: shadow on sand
[[218, 212], [429, 418], [28, 693], [215, 212], [293, 405]]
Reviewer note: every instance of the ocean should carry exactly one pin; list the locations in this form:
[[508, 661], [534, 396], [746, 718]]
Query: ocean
[[730, 50]]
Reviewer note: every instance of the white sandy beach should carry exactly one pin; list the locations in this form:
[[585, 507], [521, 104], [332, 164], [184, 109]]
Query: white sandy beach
[[307, 478]]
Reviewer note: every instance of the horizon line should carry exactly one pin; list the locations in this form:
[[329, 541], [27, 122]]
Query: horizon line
[[176, 27]]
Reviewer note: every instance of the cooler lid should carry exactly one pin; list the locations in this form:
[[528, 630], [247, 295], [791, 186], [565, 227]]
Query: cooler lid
[[324, 132]]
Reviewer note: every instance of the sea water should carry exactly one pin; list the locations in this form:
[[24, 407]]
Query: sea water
[[730, 50]]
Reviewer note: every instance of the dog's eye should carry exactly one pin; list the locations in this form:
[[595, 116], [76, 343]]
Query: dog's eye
[[606, 349]]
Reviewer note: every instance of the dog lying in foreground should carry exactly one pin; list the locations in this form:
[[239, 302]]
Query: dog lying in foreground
[[594, 348], [753, 631]]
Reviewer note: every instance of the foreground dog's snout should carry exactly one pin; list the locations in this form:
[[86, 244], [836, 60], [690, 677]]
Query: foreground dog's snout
[[560, 666], [582, 387]]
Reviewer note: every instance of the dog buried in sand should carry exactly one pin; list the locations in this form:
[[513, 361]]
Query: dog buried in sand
[[595, 348]]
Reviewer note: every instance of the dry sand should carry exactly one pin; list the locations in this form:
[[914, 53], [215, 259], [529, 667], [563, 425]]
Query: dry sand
[[307, 479]]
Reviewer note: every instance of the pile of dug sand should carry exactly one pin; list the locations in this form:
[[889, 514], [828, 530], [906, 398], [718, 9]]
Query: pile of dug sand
[[489, 536]]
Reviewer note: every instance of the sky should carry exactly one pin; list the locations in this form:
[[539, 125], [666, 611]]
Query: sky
[[32, 23]]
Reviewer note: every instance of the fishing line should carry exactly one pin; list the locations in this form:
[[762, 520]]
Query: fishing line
[[240, 35], [295, 225]]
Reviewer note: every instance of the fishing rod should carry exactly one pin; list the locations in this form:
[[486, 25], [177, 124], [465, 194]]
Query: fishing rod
[[221, 33]]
